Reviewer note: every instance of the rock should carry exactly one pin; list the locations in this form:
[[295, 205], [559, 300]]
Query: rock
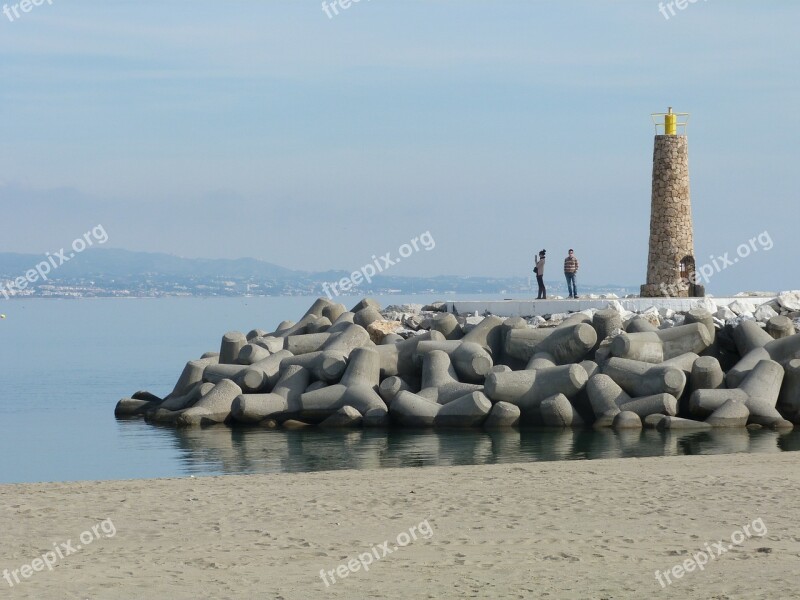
[[725, 314], [789, 300], [379, 329], [741, 306], [764, 313]]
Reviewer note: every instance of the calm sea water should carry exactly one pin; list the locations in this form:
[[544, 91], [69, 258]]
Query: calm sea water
[[64, 364]]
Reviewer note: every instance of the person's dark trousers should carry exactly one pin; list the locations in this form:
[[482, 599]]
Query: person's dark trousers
[[542, 292], [572, 289]]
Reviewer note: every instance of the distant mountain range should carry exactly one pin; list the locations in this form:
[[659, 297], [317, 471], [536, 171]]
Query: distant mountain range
[[114, 272]]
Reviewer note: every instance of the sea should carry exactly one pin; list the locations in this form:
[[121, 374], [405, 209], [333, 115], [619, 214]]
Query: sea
[[64, 364]]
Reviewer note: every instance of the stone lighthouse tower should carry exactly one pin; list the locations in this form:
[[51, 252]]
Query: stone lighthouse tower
[[670, 261]]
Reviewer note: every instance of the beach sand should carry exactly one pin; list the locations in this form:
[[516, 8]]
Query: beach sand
[[589, 529]]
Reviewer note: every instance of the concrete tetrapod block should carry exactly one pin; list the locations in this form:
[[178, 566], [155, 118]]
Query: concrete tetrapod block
[[320, 404], [333, 311], [640, 325], [263, 375], [522, 343], [735, 376], [447, 325], [569, 344], [732, 413], [341, 322], [707, 374], [489, 334], [232, 343], [644, 379], [132, 407], [353, 336], [345, 417], [557, 411], [321, 325], [501, 369], [188, 399], [502, 416], [216, 373], [541, 360], [253, 408], [298, 328], [376, 417], [644, 347], [749, 336], [686, 339], [605, 397], [364, 368], [763, 386], [702, 403], [527, 389], [269, 342], [780, 327], [467, 411], [214, 407], [575, 319], [652, 421], [366, 303], [591, 368], [254, 333], [391, 338], [626, 420], [439, 381], [251, 353], [471, 361], [663, 404], [605, 322], [282, 327], [318, 307], [789, 398], [784, 349], [398, 359], [324, 365], [390, 387], [305, 343], [411, 410], [192, 374], [684, 362], [678, 423], [701, 315], [368, 315]]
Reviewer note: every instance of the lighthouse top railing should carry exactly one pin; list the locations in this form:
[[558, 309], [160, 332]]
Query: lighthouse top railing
[[670, 123]]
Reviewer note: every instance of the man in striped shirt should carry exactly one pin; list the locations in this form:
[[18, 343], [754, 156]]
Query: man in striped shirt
[[570, 270]]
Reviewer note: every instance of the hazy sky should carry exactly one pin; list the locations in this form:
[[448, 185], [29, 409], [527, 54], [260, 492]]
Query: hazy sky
[[266, 129]]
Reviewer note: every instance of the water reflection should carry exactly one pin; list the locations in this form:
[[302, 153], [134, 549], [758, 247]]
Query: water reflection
[[224, 450]]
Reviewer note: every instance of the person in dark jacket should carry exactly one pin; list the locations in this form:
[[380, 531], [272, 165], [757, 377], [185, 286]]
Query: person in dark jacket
[[539, 270], [570, 270]]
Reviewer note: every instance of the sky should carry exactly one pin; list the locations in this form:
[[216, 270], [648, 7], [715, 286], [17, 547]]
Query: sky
[[268, 129]]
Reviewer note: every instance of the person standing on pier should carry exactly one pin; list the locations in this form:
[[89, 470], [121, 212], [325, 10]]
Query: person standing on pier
[[570, 270], [539, 270]]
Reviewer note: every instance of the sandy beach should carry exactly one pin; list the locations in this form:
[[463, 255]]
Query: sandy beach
[[590, 529]]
